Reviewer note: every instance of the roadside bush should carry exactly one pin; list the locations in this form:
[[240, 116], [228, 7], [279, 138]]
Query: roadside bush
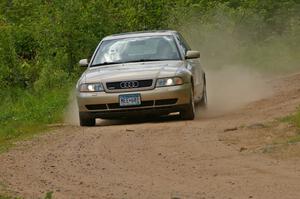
[[7, 56], [26, 112], [51, 78], [296, 119]]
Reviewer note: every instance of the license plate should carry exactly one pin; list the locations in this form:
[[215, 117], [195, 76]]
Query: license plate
[[130, 100]]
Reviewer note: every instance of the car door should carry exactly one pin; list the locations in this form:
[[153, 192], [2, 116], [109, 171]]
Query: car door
[[194, 66]]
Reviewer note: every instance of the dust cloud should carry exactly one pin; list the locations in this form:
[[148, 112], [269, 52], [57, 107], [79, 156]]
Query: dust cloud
[[71, 116], [237, 64], [231, 88]]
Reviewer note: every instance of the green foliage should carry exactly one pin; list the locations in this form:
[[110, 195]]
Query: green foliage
[[295, 119], [49, 195], [8, 197], [24, 113], [55, 34], [256, 34]]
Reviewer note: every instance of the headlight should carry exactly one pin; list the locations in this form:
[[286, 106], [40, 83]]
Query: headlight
[[170, 81], [92, 87]]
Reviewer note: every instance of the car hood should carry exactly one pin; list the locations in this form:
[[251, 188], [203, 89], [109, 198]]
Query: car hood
[[133, 71]]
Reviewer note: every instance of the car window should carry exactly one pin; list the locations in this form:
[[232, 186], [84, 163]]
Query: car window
[[182, 43], [135, 49]]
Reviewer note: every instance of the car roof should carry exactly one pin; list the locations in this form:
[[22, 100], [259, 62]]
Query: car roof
[[140, 34]]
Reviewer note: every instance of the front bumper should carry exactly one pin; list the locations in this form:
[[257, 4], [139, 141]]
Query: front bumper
[[160, 101]]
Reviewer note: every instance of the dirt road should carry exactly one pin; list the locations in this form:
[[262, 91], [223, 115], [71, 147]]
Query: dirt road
[[230, 155]]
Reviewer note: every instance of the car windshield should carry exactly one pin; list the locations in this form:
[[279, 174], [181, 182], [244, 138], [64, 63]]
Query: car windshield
[[138, 49]]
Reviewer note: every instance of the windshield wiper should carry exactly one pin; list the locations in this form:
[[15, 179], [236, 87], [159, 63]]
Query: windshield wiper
[[130, 61], [106, 63], [145, 60]]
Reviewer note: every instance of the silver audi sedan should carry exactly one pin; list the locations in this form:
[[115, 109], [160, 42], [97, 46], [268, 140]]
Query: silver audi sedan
[[141, 74]]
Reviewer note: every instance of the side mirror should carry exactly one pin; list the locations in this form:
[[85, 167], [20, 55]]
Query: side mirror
[[192, 54], [84, 62]]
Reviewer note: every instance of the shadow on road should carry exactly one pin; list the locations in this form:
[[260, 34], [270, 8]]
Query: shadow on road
[[202, 114], [139, 120]]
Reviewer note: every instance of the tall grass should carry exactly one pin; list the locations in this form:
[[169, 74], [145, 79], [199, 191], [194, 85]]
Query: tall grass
[[295, 119], [24, 113]]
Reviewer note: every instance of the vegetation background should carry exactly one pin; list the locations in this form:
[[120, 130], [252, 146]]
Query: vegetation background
[[41, 42]]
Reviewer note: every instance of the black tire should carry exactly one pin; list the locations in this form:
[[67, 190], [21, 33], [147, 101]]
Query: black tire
[[85, 120], [203, 101], [189, 112]]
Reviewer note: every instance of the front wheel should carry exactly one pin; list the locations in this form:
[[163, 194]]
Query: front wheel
[[189, 112], [86, 120]]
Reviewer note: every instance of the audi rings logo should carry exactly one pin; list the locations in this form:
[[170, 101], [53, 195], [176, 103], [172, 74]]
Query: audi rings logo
[[129, 84]]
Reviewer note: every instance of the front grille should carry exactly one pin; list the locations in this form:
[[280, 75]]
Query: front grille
[[150, 103], [96, 107], [143, 104], [165, 102], [137, 84]]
